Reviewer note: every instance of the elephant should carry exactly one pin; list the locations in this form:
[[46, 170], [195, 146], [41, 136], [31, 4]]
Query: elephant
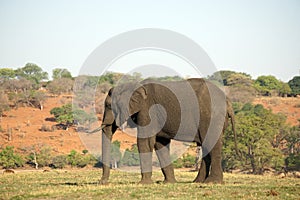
[[192, 110]]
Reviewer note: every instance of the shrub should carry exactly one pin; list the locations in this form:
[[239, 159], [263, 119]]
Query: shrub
[[85, 151], [43, 158], [187, 161], [59, 161], [45, 128], [131, 157], [178, 163], [293, 162], [77, 160], [9, 159]]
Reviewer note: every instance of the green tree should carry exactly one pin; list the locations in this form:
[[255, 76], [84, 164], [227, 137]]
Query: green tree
[[9, 159], [32, 72], [293, 162], [294, 84], [285, 89], [293, 140], [6, 73], [224, 75], [110, 77], [68, 115], [267, 85], [59, 73], [256, 128], [63, 114], [238, 79]]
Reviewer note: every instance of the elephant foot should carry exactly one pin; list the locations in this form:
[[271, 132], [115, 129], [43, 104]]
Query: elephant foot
[[103, 181], [198, 180], [146, 178], [168, 181], [200, 177], [146, 182], [169, 175], [214, 180]]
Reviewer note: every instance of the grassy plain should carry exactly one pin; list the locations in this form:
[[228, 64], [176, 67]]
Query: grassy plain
[[83, 184]]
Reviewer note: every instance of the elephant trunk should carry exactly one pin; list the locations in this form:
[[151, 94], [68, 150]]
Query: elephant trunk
[[106, 146]]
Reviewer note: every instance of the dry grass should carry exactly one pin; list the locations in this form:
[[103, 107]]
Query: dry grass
[[83, 184]]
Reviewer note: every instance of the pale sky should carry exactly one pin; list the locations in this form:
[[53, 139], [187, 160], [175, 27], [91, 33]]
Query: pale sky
[[259, 37]]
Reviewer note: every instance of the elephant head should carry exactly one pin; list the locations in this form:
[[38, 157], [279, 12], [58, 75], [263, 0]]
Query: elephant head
[[126, 100]]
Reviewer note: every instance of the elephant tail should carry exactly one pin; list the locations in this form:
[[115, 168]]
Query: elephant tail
[[232, 120], [234, 133]]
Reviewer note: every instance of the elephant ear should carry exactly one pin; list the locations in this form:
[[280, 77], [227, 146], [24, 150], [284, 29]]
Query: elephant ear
[[108, 100], [141, 92]]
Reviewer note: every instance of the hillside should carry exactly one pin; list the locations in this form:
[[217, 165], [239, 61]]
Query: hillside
[[26, 123], [290, 107]]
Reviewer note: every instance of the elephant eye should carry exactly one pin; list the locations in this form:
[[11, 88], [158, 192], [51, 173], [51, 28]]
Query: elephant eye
[[108, 105]]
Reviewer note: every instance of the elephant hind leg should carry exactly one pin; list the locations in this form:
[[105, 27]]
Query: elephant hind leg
[[216, 173], [203, 172]]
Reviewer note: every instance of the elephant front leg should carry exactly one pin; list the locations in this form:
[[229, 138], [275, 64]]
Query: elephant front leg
[[145, 147], [162, 148], [105, 175], [107, 132]]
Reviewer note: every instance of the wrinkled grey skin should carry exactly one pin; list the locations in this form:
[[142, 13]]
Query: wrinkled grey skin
[[141, 98]]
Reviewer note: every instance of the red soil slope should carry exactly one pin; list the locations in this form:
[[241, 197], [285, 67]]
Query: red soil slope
[[290, 107]]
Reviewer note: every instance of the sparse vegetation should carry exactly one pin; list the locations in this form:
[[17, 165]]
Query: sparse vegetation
[[83, 184], [4, 103], [46, 128]]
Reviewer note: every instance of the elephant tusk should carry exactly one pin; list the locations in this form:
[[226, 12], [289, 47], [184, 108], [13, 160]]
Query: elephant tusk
[[97, 129]]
